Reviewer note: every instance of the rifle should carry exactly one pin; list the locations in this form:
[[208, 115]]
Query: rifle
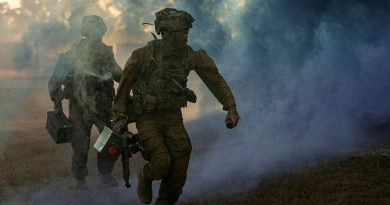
[[130, 146], [126, 142]]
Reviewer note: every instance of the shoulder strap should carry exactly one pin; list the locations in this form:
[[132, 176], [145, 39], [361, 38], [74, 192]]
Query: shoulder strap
[[145, 59], [152, 55]]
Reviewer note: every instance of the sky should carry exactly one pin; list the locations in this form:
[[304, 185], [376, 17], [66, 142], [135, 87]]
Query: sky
[[309, 77]]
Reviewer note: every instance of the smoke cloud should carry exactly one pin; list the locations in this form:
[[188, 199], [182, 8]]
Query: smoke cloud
[[308, 76]]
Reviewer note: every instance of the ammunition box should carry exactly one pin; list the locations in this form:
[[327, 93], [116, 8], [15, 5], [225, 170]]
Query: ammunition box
[[59, 127], [108, 142]]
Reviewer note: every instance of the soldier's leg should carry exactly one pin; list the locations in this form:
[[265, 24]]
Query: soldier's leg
[[150, 137], [79, 141], [155, 150], [172, 185], [105, 162], [179, 146]]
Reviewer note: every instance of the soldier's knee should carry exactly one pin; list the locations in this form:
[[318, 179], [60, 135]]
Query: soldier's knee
[[161, 165], [180, 175]]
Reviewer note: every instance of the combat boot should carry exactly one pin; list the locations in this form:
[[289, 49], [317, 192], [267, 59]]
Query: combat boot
[[144, 188]]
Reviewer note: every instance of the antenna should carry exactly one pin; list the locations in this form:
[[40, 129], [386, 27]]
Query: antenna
[[154, 35]]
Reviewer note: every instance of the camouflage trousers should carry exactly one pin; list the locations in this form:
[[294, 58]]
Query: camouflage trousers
[[80, 141], [167, 147]]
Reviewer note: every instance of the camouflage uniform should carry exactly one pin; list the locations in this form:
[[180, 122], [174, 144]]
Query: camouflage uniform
[[87, 72], [157, 75]]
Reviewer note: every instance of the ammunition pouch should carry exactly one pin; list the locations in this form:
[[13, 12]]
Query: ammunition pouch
[[136, 105], [172, 103], [150, 102], [139, 106]]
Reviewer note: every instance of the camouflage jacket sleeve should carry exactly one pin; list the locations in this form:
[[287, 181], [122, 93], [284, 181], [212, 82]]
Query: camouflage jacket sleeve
[[128, 77], [115, 69], [57, 77], [207, 70]]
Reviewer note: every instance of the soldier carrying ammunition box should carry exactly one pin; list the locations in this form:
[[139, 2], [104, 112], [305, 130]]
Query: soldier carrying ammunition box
[[84, 75]]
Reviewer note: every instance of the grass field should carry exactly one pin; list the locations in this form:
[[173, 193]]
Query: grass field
[[360, 178], [32, 165]]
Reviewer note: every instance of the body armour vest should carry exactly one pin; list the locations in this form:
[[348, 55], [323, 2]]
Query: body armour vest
[[161, 83]]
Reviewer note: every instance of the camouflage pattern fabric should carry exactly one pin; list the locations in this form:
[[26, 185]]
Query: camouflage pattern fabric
[[86, 72], [157, 103], [167, 148], [157, 75]]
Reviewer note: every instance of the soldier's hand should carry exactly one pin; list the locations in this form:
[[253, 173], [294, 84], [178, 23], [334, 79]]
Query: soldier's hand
[[120, 125], [57, 110], [57, 107], [119, 122], [232, 118]]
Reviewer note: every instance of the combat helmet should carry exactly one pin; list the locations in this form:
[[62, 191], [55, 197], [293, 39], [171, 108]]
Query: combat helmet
[[93, 26], [171, 19]]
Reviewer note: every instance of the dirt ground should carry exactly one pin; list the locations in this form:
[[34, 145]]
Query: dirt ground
[[34, 170], [360, 178]]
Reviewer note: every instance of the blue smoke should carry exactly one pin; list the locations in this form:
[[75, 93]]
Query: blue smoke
[[309, 77]]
